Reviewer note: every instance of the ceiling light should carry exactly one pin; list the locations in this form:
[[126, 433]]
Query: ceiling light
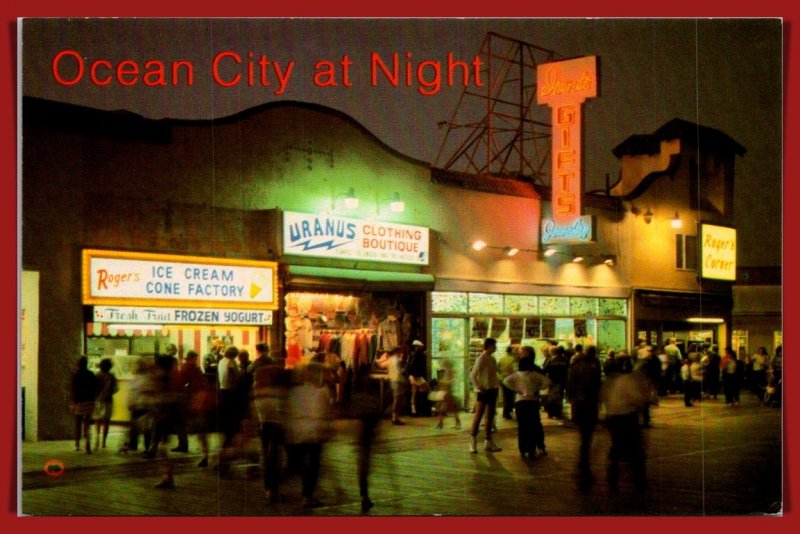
[[397, 205], [479, 245], [550, 251], [609, 260], [511, 251], [676, 221], [350, 199], [577, 259], [707, 320]]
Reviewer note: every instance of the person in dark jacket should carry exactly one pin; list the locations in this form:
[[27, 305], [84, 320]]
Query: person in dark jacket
[[583, 393], [556, 367], [84, 391], [416, 370]]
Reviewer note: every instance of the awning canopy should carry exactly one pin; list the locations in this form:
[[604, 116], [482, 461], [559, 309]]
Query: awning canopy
[[368, 280]]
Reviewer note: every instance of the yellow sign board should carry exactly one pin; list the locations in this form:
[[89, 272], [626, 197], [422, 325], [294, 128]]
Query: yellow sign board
[[718, 252], [120, 278]]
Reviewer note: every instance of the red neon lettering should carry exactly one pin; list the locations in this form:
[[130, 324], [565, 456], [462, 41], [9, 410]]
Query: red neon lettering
[[56, 71], [215, 69], [93, 72]]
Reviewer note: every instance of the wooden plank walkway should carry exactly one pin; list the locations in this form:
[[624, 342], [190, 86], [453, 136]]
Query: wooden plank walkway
[[710, 461]]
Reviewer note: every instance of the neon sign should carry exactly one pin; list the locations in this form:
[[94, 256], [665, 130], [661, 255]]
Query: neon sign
[[564, 85], [580, 230]]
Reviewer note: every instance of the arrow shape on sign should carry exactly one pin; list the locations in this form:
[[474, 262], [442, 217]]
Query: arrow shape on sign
[[254, 290]]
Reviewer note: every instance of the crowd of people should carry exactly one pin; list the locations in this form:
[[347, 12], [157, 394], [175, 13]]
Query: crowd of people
[[621, 387], [290, 409]]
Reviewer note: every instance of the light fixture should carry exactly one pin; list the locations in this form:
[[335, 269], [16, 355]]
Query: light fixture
[[707, 320], [479, 245], [648, 216], [350, 199], [550, 251], [511, 251], [397, 205], [609, 260], [577, 259], [676, 221]]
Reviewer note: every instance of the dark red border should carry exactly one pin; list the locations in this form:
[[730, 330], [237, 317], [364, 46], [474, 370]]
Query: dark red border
[[582, 8]]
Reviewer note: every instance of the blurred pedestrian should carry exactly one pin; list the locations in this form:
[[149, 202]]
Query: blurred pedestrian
[[83, 391], [732, 374], [140, 389], [270, 393], [104, 402], [623, 394], [166, 413], [445, 378], [364, 405], [583, 393], [199, 402], [308, 426]]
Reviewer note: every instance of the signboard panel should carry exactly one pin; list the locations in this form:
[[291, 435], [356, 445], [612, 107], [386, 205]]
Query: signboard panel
[[331, 236], [120, 278], [717, 252], [172, 315]]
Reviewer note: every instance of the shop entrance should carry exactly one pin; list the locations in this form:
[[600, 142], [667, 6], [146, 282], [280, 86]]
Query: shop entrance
[[127, 345]]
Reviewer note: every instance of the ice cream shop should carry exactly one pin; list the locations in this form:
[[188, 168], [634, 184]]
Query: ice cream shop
[[136, 304]]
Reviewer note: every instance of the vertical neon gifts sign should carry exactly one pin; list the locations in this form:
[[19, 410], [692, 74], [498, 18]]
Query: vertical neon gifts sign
[[564, 85]]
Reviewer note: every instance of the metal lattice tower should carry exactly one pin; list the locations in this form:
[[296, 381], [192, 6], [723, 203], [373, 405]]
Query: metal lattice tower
[[499, 129]]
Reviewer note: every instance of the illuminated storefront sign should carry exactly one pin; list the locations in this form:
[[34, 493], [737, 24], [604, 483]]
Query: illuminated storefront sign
[[718, 252], [330, 236], [581, 230], [117, 278], [216, 316], [564, 85]]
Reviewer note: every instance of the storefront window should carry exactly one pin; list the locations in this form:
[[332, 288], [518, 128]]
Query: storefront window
[[448, 302], [521, 305], [618, 307], [485, 304], [582, 306], [610, 334], [448, 342], [528, 320], [739, 338], [549, 305]]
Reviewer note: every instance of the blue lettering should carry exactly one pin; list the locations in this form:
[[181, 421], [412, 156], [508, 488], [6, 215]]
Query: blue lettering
[[294, 232], [580, 230]]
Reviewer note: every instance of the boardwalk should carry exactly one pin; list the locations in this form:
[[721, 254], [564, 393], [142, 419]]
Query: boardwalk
[[710, 460]]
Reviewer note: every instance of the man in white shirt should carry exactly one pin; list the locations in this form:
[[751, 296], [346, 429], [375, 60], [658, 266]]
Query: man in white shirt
[[392, 361], [229, 413], [484, 379]]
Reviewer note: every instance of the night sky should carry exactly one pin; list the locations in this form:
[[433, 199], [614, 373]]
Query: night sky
[[722, 73]]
